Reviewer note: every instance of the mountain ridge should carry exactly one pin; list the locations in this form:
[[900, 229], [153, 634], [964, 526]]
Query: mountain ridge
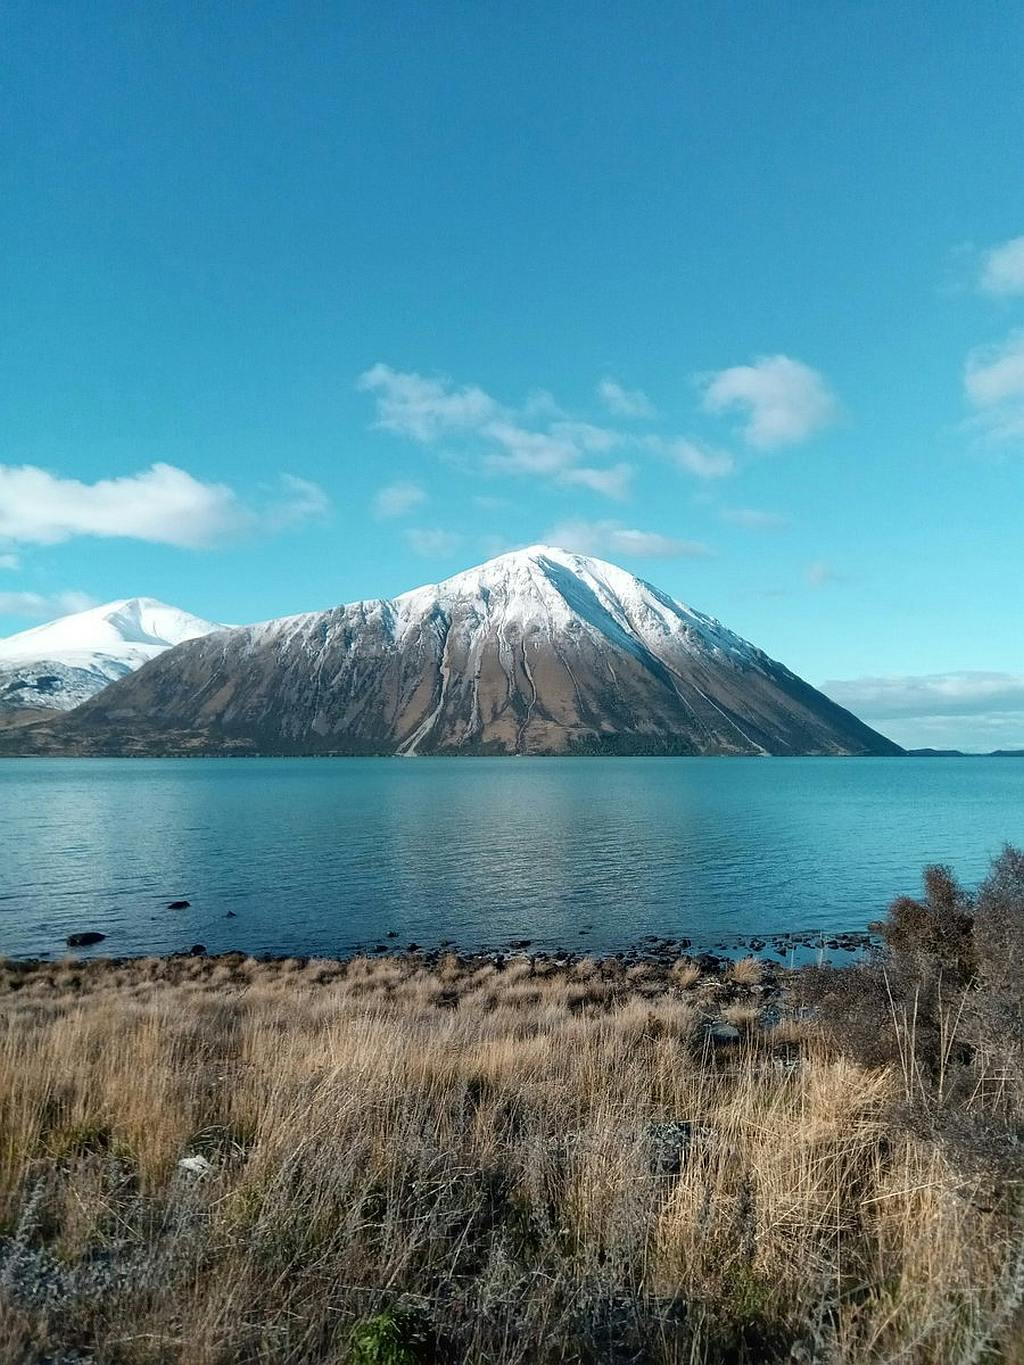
[[537, 651], [60, 664]]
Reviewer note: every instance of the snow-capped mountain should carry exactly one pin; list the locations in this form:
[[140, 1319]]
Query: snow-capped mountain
[[538, 651], [57, 666]]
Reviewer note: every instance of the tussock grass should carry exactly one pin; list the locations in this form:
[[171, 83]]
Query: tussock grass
[[533, 1162]]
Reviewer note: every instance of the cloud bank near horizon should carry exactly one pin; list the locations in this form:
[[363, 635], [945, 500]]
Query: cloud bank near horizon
[[971, 710]]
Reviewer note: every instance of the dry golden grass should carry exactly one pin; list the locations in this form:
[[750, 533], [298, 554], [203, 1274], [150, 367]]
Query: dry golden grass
[[536, 1164], [747, 971]]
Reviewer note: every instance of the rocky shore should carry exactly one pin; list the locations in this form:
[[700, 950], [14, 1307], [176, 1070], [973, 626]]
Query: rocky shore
[[791, 949]]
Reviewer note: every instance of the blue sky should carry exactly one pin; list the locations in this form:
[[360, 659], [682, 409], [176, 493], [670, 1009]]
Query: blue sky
[[305, 303]]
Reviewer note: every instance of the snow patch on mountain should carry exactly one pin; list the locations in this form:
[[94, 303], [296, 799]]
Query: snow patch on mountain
[[59, 665], [545, 588]]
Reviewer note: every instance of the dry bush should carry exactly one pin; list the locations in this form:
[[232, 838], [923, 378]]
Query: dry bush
[[685, 973], [747, 971], [742, 1016]]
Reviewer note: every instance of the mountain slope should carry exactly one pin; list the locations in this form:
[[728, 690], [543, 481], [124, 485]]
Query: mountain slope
[[539, 651], [57, 666]]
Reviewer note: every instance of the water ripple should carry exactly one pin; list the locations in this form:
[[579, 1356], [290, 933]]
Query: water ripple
[[321, 856]]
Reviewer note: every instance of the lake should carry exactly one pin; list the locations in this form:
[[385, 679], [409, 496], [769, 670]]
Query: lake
[[323, 856]]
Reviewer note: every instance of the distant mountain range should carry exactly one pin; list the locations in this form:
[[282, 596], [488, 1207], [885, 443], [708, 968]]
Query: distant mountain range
[[58, 666], [536, 652], [960, 753]]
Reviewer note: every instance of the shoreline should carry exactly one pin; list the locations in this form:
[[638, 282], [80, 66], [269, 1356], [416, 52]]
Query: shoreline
[[713, 953]]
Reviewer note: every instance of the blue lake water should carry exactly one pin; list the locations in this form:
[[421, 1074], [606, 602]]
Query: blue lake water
[[321, 856]]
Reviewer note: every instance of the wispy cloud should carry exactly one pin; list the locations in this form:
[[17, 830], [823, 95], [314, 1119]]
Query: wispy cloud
[[947, 710], [538, 439], [786, 401], [610, 537], [1002, 268], [622, 402], [593, 439], [612, 483], [295, 502], [425, 409], [490, 502], [398, 499], [528, 452], [820, 574], [39, 606], [963, 694], [692, 457], [432, 542], [8, 561], [755, 519], [994, 384]]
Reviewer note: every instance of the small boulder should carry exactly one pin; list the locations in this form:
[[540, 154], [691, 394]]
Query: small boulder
[[178, 905], [197, 950], [195, 1165], [231, 915], [84, 940]]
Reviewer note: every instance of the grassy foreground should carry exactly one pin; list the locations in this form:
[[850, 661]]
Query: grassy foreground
[[387, 1162]]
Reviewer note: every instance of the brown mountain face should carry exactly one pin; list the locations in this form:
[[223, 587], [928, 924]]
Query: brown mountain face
[[537, 652]]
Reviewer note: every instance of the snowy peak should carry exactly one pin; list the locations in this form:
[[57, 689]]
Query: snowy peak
[[545, 588], [57, 666], [128, 626]]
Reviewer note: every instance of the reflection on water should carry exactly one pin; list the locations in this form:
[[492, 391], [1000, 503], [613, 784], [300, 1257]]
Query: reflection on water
[[322, 855]]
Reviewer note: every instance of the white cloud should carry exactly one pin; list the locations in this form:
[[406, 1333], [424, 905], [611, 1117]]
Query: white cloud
[[538, 441], [431, 542], [37, 606], [299, 501], [622, 402], [994, 383], [755, 518], [396, 499], [612, 483], [971, 710], [595, 440], [425, 409], [1002, 268], [965, 694], [9, 562], [994, 374], [821, 573], [786, 401], [541, 406], [163, 504], [529, 452], [703, 462], [611, 538]]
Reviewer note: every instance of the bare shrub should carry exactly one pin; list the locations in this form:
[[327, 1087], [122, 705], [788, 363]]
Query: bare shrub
[[685, 973], [746, 971]]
